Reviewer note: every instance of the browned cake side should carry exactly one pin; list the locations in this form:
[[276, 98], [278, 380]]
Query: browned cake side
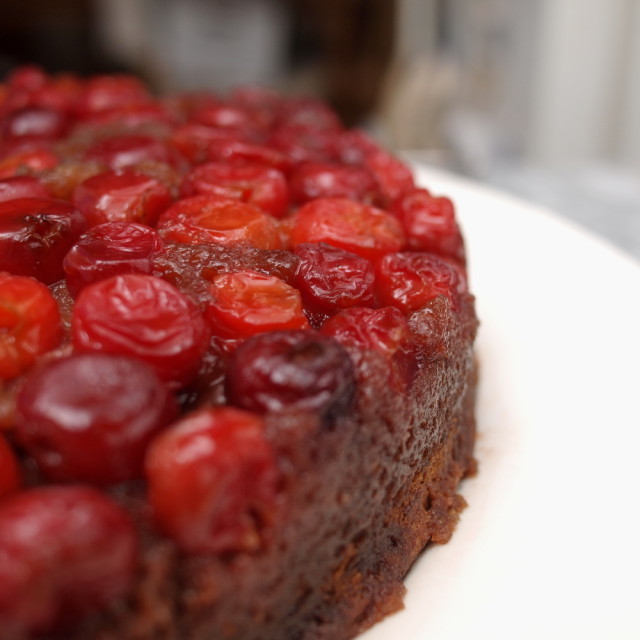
[[362, 498]]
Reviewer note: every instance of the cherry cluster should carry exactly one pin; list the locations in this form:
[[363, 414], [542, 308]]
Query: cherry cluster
[[171, 271]]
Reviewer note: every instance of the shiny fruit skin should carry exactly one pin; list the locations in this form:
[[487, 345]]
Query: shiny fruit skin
[[29, 323], [10, 479], [89, 417], [213, 481]]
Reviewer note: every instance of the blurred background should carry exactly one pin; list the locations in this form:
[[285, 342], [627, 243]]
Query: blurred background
[[540, 99]]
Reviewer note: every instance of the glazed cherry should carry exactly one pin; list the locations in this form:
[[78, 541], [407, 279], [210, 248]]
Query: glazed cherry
[[309, 114], [361, 229], [101, 93], [230, 118], [110, 249], [430, 224], [9, 469], [119, 152], [35, 123], [89, 417], [66, 552], [246, 302], [384, 331], [205, 219], [213, 481], [240, 152], [393, 176], [29, 323], [410, 279], [145, 317], [35, 235], [29, 160], [315, 180], [330, 279], [22, 187], [193, 141], [297, 370], [258, 185], [124, 195]]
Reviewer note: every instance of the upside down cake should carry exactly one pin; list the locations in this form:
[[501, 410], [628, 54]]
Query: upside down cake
[[236, 366]]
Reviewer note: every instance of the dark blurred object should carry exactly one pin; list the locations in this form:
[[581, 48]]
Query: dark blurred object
[[353, 43]]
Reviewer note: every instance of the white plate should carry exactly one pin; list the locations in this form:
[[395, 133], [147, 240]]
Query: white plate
[[549, 546]]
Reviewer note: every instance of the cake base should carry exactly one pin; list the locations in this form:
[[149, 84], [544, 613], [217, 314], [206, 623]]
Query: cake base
[[361, 498]]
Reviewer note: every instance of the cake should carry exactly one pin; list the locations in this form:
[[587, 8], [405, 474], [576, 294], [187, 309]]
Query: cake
[[236, 366]]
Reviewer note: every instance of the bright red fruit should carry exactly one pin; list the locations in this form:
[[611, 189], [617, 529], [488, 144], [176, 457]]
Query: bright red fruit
[[261, 186], [89, 417], [22, 187], [393, 176], [244, 303], [122, 195], [110, 249], [64, 552], [101, 93], [9, 469], [205, 219], [119, 152], [35, 123], [297, 370], [323, 180], [35, 235], [29, 160], [240, 152], [430, 224], [142, 316], [384, 331], [331, 279], [352, 226], [410, 279], [29, 323], [213, 481]]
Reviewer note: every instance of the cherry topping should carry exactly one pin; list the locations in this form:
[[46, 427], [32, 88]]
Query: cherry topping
[[261, 186], [35, 122], [352, 226], [247, 302], [9, 469], [316, 180], [205, 218], [393, 176], [35, 235], [430, 224], [213, 481], [142, 316], [64, 552], [29, 323], [384, 331], [101, 93], [290, 370], [241, 152], [123, 195], [330, 279], [22, 187], [110, 249], [409, 280], [29, 160], [89, 417], [119, 152]]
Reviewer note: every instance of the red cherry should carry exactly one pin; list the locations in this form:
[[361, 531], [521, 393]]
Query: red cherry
[[22, 187], [30, 160], [331, 279], [110, 249], [205, 219], [193, 141], [119, 152], [384, 331], [430, 224], [409, 280], [124, 195], [213, 481], [145, 317], [244, 303], [315, 180], [35, 235], [101, 93], [234, 151], [393, 176], [64, 552], [29, 323], [9, 469], [352, 226], [89, 417], [261, 186], [35, 123]]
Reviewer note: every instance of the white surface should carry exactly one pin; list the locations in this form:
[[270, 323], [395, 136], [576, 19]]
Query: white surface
[[549, 546]]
